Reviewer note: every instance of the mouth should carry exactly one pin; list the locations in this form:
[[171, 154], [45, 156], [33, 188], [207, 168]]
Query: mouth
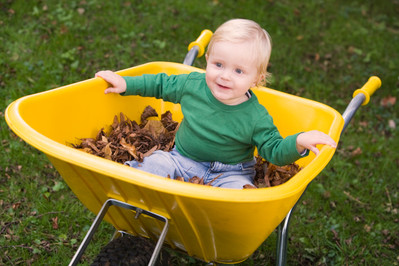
[[223, 87]]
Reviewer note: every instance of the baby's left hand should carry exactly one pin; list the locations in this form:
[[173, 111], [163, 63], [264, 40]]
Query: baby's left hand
[[309, 140]]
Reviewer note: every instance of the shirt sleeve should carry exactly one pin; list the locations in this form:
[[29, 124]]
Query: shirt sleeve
[[272, 146], [160, 86]]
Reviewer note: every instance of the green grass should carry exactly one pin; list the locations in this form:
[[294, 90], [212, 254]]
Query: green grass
[[322, 50]]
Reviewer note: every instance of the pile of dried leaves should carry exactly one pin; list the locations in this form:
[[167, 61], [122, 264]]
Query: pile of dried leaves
[[128, 140], [270, 175]]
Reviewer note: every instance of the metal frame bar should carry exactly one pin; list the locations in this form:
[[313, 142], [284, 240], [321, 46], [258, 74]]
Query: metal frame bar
[[191, 56], [282, 235], [282, 239], [351, 109], [100, 217]]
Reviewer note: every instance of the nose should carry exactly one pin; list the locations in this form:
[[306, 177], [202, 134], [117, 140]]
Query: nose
[[225, 74]]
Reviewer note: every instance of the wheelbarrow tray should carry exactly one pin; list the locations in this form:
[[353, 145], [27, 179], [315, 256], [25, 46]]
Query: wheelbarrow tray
[[213, 224]]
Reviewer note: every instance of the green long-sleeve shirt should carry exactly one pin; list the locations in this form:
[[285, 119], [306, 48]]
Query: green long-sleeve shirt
[[212, 131]]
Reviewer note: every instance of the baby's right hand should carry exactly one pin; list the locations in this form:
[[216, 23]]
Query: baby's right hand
[[117, 83]]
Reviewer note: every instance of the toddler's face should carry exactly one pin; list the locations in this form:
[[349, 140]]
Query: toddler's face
[[231, 71]]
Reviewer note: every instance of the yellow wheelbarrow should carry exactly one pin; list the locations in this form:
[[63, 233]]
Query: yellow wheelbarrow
[[205, 222]]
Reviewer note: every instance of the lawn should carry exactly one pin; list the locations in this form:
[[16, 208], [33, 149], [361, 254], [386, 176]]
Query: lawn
[[322, 50]]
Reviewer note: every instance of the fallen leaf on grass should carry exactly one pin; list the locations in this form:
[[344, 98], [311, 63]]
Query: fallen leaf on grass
[[388, 101], [367, 228], [16, 205], [391, 124], [356, 152], [353, 198], [55, 222]]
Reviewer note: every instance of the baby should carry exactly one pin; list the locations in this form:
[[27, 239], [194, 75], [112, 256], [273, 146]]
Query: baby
[[223, 120]]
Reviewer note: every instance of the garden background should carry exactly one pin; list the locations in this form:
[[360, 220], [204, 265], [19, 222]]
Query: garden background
[[322, 50]]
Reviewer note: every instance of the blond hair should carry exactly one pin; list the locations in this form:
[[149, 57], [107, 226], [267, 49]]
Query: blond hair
[[240, 30]]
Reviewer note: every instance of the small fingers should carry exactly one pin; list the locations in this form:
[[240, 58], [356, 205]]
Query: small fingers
[[110, 90], [314, 150], [328, 141], [311, 139], [322, 138], [102, 72], [115, 82], [105, 74]]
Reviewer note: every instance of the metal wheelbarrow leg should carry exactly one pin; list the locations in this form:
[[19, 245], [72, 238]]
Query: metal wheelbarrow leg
[[282, 240], [99, 218], [282, 236]]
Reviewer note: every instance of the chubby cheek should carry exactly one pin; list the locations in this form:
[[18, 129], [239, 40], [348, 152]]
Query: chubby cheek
[[209, 78]]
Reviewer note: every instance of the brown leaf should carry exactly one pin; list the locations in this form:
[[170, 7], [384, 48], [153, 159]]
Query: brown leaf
[[196, 180], [155, 128], [16, 205], [267, 181], [168, 122], [148, 153], [277, 176], [391, 124], [356, 152], [55, 222], [100, 134], [115, 124], [81, 11], [246, 186], [148, 112], [107, 151], [367, 228], [179, 178], [131, 149], [90, 143], [122, 118], [388, 101]]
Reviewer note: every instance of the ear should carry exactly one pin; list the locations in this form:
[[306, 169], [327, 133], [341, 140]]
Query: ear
[[258, 81], [206, 57]]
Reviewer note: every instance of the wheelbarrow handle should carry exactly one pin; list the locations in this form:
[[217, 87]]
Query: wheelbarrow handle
[[360, 97], [197, 47], [369, 88], [202, 41]]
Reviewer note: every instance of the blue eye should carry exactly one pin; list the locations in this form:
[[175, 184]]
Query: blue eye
[[218, 64], [239, 71]]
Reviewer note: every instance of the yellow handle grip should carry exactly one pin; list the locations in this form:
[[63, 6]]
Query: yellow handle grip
[[202, 41], [369, 88]]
